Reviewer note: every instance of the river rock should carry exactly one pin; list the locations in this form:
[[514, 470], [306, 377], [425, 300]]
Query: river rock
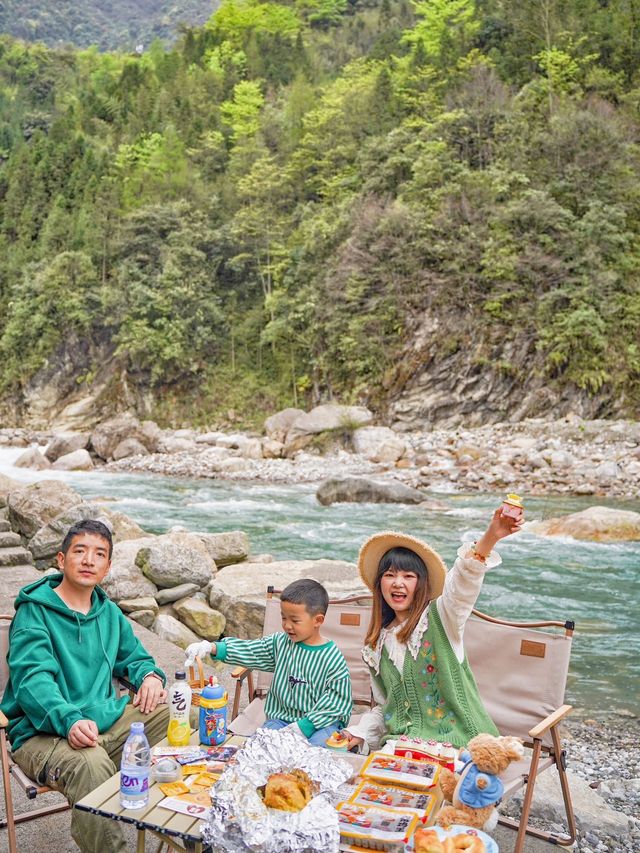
[[226, 548], [77, 460], [150, 435], [146, 618], [129, 447], [45, 544], [125, 580], [169, 564], [240, 591], [33, 506], [197, 615], [379, 444], [7, 485], [272, 449], [597, 524], [32, 458], [363, 490], [108, 435], [175, 593], [277, 426], [591, 811], [329, 416], [66, 442], [176, 444], [231, 465], [147, 602], [251, 449], [170, 629]]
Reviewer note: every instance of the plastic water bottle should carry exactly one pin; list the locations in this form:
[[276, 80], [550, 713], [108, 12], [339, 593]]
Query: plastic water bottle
[[134, 769], [213, 714], [179, 730]]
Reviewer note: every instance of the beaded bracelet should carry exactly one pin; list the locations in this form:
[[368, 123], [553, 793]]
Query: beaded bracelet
[[476, 555]]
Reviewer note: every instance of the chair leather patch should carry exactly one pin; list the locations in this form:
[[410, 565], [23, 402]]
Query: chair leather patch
[[349, 618], [532, 649]]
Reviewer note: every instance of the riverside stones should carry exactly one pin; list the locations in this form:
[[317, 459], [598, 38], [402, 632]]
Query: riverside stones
[[277, 426], [6, 486], [33, 506], [239, 591], [125, 580], [147, 602], [167, 564], [226, 548], [597, 524], [32, 458], [170, 629], [363, 490], [197, 615], [108, 435], [63, 443], [175, 593], [129, 447], [77, 460], [379, 444]]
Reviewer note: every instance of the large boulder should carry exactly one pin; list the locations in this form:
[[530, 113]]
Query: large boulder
[[33, 506], [225, 548], [239, 591], [363, 490], [597, 524], [129, 447], [77, 460], [277, 426], [168, 564], [170, 629], [197, 615], [125, 580], [379, 444], [66, 442], [7, 485], [131, 605], [329, 416], [32, 458], [45, 544], [108, 435]]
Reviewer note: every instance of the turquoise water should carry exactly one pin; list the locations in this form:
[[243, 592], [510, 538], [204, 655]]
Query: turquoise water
[[596, 585]]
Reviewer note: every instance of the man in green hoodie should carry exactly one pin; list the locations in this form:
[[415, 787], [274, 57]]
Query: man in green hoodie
[[67, 725]]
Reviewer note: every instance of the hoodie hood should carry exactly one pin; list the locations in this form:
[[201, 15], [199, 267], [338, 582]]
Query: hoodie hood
[[42, 592]]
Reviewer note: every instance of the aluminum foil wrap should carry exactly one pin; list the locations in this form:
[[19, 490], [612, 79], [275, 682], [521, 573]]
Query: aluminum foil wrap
[[239, 821]]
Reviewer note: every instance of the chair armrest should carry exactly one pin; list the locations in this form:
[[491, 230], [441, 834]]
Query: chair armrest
[[549, 722], [128, 685], [240, 672], [3, 721]]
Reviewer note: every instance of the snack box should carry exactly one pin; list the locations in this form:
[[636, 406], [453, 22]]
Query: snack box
[[399, 770], [440, 753], [393, 797], [375, 828]]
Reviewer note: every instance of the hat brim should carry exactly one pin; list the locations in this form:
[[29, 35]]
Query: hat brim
[[377, 546]]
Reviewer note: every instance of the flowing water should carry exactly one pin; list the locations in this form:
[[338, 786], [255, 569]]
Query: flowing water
[[595, 584]]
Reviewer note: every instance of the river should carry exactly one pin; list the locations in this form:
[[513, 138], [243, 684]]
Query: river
[[595, 584]]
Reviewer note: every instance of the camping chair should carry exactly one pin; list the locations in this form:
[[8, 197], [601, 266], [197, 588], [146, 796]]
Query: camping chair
[[521, 671], [346, 624], [10, 769]]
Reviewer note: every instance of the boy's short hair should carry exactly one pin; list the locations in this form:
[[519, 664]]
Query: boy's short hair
[[87, 525], [308, 592]]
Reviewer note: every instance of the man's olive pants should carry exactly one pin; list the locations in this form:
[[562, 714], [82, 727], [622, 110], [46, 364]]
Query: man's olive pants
[[75, 773]]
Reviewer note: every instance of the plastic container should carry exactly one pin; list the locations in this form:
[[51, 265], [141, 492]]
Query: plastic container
[[179, 728], [512, 506], [213, 714], [134, 769]]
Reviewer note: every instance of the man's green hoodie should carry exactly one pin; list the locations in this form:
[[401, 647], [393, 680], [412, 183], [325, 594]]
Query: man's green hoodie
[[61, 663]]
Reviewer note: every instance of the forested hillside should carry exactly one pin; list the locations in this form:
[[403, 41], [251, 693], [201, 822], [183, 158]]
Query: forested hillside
[[328, 198], [109, 24]]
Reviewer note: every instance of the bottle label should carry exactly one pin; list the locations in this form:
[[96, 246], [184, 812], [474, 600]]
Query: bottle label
[[213, 725], [134, 783], [178, 702]]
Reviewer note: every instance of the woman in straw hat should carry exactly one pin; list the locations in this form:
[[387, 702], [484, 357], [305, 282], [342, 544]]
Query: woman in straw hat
[[420, 676]]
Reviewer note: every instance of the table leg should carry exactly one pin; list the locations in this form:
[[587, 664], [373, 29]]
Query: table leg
[[140, 845]]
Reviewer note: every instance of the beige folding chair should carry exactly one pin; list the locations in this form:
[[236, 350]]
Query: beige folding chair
[[10, 769], [521, 671], [346, 624]]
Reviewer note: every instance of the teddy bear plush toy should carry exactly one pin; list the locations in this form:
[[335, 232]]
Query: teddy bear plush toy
[[476, 790]]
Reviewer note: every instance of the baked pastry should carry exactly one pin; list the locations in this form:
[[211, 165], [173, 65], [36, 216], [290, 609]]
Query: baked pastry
[[288, 792], [468, 843], [427, 841]]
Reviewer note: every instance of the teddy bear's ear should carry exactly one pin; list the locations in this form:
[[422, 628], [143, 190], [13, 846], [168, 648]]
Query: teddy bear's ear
[[514, 748]]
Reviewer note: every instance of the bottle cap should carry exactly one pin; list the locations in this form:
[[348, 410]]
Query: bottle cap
[[212, 690], [180, 676], [137, 728], [514, 499]]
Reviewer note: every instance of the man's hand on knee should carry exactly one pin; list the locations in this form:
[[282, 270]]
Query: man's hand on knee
[[83, 734], [150, 694]]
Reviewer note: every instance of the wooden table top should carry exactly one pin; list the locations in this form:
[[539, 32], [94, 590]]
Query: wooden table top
[[105, 801]]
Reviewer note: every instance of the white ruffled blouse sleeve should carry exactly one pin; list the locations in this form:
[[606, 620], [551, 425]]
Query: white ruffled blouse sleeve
[[460, 593], [370, 727]]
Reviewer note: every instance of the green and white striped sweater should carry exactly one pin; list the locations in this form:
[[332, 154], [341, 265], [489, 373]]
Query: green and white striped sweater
[[311, 684]]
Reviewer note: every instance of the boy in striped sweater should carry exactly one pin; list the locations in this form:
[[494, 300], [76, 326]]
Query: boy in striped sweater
[[311, 687]]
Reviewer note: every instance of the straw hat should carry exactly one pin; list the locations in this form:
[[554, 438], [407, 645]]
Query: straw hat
[[377, 546]]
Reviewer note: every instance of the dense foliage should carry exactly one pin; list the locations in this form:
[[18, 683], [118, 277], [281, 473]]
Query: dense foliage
[[268, 211], [109, 24]]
